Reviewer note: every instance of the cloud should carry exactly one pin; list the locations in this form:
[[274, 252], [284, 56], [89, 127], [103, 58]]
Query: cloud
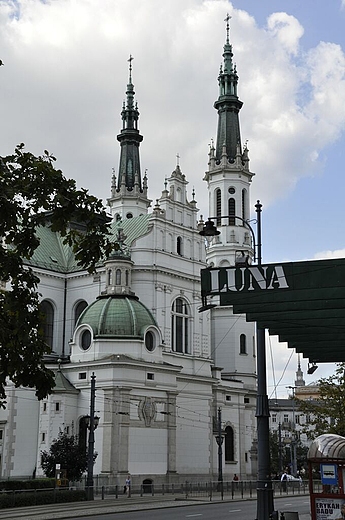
[[325, 255], [286, 29], [66, 74]]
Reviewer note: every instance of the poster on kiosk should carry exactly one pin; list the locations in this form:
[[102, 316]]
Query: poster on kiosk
[[326, 463]]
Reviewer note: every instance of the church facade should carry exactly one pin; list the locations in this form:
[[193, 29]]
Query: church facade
[[164, 371]]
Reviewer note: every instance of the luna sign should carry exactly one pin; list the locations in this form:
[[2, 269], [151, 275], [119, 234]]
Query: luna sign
[[322, 280], [243, 279]]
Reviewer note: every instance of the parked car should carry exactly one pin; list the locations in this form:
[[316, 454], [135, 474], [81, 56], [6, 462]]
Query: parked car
[[291, 478]]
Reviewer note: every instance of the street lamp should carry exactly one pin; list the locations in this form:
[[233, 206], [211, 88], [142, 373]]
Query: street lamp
[[219, 440], [91, 422], [210, 230], [265, 504], [311, 368]]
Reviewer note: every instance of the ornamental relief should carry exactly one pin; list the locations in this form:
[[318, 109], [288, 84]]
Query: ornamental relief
[[147, 410]]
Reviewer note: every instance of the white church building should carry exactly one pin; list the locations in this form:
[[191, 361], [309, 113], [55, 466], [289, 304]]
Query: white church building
[[163, 369]]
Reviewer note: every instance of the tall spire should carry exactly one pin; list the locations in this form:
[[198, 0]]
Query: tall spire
[[128, 190], [130, 139], [299, 381], [228, 104]]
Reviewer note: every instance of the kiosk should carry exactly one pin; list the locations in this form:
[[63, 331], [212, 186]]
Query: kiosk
[[326, 465]]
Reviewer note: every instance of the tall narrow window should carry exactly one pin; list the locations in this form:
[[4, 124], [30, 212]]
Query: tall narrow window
[[229, 444], [47, 311], [180, 326], [78, 310], [218, 206], [244, 204], [243, 344], [232, 211], [179, 246], [118, 277], [110, 277]]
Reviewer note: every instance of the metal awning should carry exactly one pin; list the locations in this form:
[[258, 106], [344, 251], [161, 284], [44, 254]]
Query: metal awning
[[303, 303]]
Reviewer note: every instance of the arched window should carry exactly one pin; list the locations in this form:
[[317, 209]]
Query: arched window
[[244, 204], [229, 444], [78, 310], [110, 277], [47, 311], [118, 217], [232, 211], [127, 277], [243, 344], [180, 326], [118, 277], [179, 246], [218, 206]]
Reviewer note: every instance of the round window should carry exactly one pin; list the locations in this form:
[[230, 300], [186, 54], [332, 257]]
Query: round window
[[231, 190], [85, 340], [150, 341]]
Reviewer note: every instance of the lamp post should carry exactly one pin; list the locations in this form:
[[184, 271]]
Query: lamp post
[[219, 440], [92, 423], [265, 504]]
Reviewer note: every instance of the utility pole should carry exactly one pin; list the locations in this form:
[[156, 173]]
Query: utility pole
[[293, 435], [280, 449]]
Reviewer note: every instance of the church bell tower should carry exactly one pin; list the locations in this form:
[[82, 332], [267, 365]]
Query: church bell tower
[[228, 179]]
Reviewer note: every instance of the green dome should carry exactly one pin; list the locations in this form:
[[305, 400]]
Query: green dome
[[117, 316]]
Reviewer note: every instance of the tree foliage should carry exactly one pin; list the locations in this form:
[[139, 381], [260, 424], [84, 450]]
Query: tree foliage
[[34, 193], [66, 451], [283, 452], [326, 413]]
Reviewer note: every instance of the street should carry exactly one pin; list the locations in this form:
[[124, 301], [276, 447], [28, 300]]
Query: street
[[244, 510]]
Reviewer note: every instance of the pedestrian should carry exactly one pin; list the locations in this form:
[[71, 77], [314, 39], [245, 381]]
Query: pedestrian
[[236, 479], [128, 485], [284, 480]]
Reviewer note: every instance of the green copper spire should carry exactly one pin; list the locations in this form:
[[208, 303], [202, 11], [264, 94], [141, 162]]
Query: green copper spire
[[129, 170], [228, 105]]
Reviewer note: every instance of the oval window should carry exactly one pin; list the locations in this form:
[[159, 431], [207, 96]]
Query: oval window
[[85, 340], [150, 341]]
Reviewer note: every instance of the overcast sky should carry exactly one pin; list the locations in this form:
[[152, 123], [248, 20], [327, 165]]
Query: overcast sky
[[64, 80]]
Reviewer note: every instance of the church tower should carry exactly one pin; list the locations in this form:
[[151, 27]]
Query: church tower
[[228, 179], [129, 190]]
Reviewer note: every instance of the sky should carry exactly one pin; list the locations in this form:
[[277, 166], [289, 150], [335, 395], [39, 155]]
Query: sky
[[64, 80]]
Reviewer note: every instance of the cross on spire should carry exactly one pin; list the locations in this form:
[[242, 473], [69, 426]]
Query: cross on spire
[[130, 59], [228, 17], [178, 159]]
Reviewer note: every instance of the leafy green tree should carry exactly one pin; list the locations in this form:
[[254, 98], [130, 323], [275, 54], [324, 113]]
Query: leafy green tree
[[275, 450], [34, 193], [69, 453], [326, 413]]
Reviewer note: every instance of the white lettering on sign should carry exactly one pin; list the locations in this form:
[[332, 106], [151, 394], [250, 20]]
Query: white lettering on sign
[[249, 278]]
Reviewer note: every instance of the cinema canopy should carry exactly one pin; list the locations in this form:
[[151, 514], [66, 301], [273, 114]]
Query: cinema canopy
[[303, 303]]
